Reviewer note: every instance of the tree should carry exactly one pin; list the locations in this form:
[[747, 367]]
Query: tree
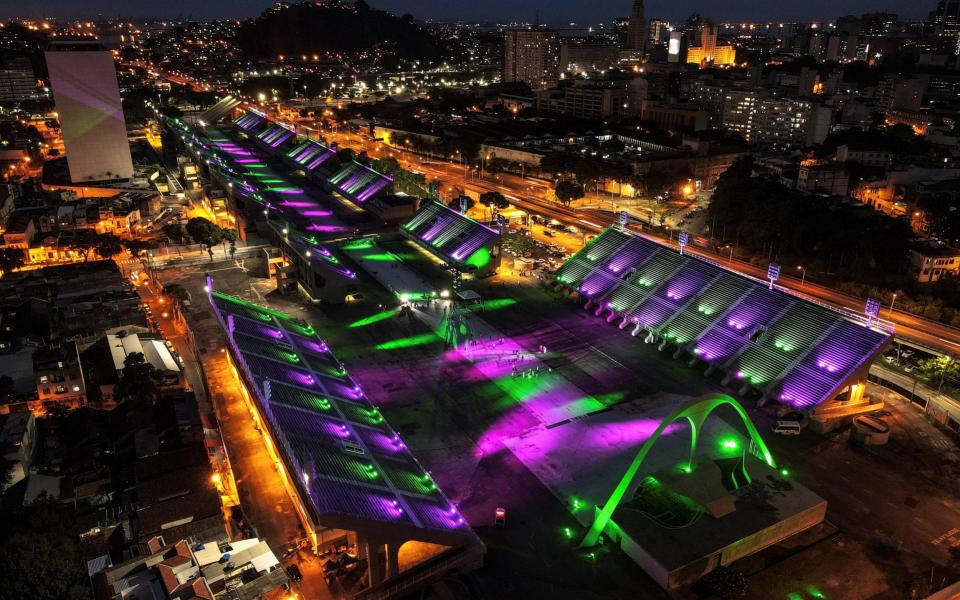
[[346, 155], [11, 259], [83, 241], [174, 231], [387, 165], [41, 553], [940, 369], [139, 381], [568, 191], [726, 583], [494, 199], [176, 291], [456, 199], [205, 233], [520, 243], [138, 247], [107, 245], [230, 235]]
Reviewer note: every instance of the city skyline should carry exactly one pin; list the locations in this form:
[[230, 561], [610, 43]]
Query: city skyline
[[560, 13]]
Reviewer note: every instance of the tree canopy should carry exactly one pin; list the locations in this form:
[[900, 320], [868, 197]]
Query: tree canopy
[[568, 191], [771, 221], [11, 259], [587, 169], [41, 554], [494, 199], [139, 381], [204, 232]]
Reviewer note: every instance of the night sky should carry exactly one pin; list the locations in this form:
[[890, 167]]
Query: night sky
[[554, 12]]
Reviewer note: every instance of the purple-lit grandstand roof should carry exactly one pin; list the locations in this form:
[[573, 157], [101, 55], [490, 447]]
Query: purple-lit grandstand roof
[[311, 155], [359, 182], [798, 352], [450, 235], [245, 169], [345, 458], [277, 134], [250, 120]]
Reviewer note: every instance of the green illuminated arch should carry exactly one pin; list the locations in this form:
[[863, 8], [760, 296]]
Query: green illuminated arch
[[695, 412]]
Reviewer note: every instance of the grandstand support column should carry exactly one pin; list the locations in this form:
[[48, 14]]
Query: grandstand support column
[[393, 559], [636, 330], [726, 378], [375, 562]]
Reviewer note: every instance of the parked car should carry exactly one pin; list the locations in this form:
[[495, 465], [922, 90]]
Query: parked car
[[293, 572]]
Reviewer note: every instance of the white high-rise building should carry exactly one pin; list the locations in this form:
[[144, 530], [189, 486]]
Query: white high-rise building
[[85, 90], [775, 122]]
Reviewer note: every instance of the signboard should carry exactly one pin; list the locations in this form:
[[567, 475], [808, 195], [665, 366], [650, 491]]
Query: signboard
[[773, 273], [872, 309]]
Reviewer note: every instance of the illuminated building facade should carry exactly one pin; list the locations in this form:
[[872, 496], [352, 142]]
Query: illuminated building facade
[[84, 81], [774, 122], [531, 56], [586, 99], [708, 52]]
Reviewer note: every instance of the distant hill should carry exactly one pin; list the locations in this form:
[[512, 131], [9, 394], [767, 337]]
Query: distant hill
[[349, 29]]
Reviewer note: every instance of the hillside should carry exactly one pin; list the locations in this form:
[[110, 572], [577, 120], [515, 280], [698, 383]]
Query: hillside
[[335, 27]]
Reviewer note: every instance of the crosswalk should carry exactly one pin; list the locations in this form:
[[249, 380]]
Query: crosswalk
[[941, 443]]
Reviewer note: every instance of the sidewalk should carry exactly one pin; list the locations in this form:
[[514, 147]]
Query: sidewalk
[[939, 406]]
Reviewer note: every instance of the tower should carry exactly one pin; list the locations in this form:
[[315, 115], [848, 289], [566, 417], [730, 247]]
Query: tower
[[637, 32], [85, 89], [531, 56]]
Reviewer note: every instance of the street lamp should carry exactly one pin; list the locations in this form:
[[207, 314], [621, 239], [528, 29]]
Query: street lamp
[[891, 303], [803, 275]]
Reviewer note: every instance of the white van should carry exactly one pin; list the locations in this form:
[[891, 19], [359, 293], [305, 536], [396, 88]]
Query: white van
[[787, 427]]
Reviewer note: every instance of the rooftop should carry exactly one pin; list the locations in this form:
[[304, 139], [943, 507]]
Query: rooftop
[[451, 236], [790, 349], [154, 351], [348, 464], [934, 250]]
